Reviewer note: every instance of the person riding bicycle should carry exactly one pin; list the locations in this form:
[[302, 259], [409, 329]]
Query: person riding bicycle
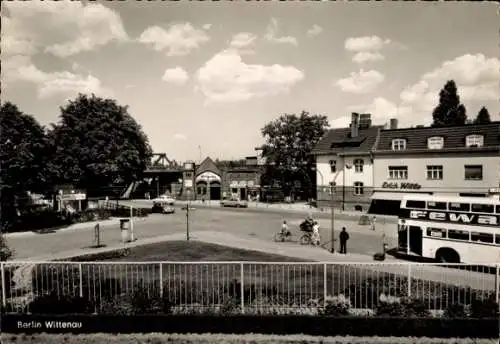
[[284, 229], [307, 225]]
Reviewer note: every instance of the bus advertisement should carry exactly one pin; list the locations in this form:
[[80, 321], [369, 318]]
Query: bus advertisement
[[450, 229]]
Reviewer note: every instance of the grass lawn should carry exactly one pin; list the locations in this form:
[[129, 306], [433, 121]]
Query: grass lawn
[[223, 339]]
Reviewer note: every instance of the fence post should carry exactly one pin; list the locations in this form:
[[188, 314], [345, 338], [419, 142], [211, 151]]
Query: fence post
[[80, 275], [4, 301], [325, 287], [161, 279], [497, 285], [242, 287], [409, 280]]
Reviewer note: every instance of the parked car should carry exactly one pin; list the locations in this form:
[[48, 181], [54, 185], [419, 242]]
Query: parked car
[[234, 202], [165, 199], [162, 208]]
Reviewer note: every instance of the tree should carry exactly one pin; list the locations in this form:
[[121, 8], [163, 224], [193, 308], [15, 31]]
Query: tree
[[289, 142], [483, 116], [449, 111], [97, 145], [22, 160]]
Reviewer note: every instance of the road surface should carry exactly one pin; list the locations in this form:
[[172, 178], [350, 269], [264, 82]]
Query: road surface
[[245, 224]]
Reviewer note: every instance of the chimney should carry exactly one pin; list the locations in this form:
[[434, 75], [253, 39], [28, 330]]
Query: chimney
[[354, 124], [393, 123], [365, 121]]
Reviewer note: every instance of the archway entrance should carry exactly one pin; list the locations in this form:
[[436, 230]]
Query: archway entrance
[[215, 191]]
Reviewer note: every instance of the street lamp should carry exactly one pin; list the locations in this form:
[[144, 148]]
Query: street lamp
[[332, 190]]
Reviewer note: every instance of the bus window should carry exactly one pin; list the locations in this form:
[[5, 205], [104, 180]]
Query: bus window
[[498, 209], [483, 208], [497, 239], [459, 206], [436, 205], [458, 235], [436, 232], [483, 237], [415, 204]]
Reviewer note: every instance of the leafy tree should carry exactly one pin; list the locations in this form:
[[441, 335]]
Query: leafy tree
[[97, 145], [22, 160], [483, 116], [449, 111], [289, 142]]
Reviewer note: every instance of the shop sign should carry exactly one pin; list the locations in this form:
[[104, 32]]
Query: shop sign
[[401, 186]]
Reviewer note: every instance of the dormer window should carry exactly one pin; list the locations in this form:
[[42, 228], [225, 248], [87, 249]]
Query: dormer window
[[474, 141], [398, 144], [436, 142]]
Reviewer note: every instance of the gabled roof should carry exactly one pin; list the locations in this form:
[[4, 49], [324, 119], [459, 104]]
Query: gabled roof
[[207, 165], [454, 136], [339, 140]]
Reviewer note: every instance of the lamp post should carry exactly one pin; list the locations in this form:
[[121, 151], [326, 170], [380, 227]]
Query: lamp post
[[332, 190]]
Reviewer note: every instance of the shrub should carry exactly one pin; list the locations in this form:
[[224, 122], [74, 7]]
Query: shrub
[[457, 310], [336, 305], [487, 308], [5, 251], [60, 304], [401, 307]]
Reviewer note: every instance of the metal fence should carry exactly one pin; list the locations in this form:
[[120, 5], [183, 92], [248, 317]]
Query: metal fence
[[251, 286]]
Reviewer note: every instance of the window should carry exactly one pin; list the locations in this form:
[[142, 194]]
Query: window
[[497, 239], [435, 172], [436, 205], [498, 209], [482, 237], [458, 235], [358, 165], [333, 166], [398, 172], [358, 207], [415, 204], [459, 206], [473, 172], [398, 144], [483, 208], [234, 190], [358, 188], [435, 142], [189, 175], [436, 232], [474, 141]]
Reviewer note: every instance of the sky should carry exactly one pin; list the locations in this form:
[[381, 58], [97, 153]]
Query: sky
[[205, 77]]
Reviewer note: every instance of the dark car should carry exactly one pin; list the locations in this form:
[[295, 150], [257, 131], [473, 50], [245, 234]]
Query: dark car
[[161, 208]]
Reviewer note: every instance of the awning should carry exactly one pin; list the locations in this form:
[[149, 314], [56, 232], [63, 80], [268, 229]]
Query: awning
[[388, 196]]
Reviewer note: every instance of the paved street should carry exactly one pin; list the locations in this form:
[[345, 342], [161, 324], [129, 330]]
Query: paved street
[[241, 223]]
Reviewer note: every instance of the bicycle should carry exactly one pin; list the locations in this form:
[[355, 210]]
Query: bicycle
[[309, 238], [280, 237]]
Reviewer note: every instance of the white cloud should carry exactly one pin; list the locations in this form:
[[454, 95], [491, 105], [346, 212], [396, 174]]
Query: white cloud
[[206, 26], [314, 31], [366, 43], [177, 40], [365, 56], [175, 75], [271, 34], [226, 78], [62, 28], [242, 40], [179, 137], [477, 78], [20, 69], [361, 82], [367, 48]]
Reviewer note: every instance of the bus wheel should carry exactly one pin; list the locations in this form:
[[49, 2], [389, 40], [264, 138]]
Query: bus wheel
[[447, 255]]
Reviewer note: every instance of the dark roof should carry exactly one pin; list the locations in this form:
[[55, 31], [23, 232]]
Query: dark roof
[[454, 136], [207, 165], [340, 141]]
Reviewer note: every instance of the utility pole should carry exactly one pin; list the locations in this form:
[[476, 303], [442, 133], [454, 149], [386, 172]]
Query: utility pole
[[332, 193]]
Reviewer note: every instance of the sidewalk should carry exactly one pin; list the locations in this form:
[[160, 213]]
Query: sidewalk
[[295, 250], [114, 221]]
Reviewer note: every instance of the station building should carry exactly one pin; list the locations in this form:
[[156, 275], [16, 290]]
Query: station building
[[457, 161]]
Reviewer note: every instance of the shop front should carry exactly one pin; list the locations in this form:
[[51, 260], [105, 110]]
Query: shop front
[[208, 186], [386, 199]]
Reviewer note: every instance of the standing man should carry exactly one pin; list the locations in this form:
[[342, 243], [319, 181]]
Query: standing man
[[373, 223], [343, 236]]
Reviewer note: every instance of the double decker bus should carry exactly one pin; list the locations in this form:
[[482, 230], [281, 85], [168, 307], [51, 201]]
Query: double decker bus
[[450, 229]]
